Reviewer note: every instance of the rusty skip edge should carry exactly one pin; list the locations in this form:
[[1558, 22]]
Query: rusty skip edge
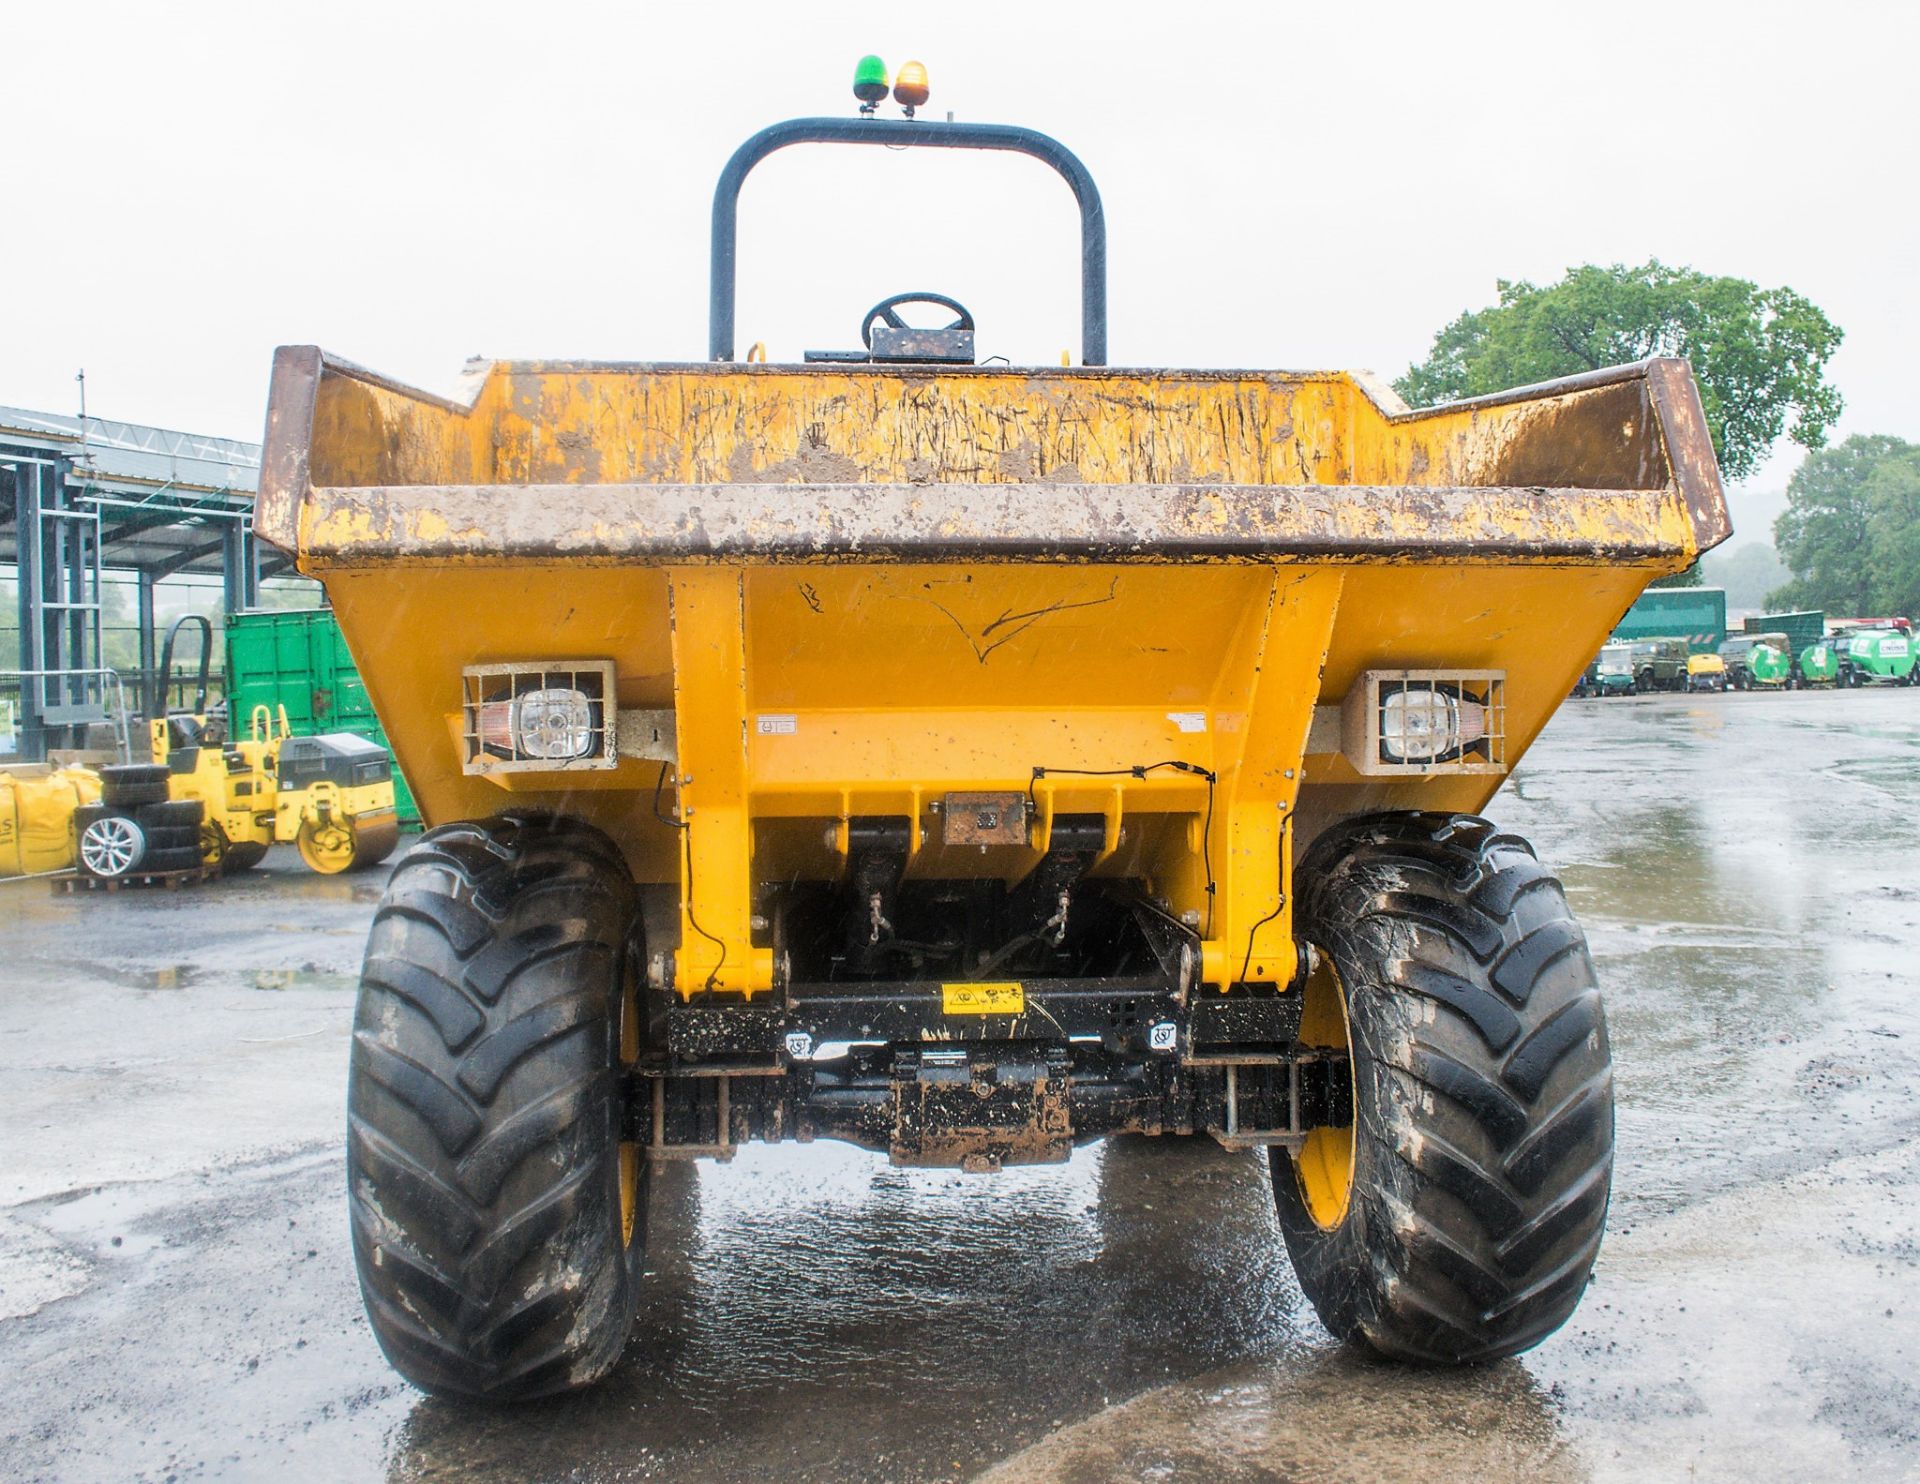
[[1108, 523], [1105, 522]]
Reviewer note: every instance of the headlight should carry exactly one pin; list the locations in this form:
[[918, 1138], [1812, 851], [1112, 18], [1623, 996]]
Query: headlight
[[1396, 723], [556, 726], [1424, 724], [539, 715]]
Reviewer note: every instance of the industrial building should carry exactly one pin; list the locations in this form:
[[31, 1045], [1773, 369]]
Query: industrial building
[[84, 496]]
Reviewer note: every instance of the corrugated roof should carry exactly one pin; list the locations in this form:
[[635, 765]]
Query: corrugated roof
[[107, 452], [164, 496]]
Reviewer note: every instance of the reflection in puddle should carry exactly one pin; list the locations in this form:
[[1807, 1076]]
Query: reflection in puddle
[[1296, 1418], [141, 976], [812, 1313], [1732, 895], [306, 977]]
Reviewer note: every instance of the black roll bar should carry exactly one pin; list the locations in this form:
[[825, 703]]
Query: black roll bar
[[910, 133], [157, 703]]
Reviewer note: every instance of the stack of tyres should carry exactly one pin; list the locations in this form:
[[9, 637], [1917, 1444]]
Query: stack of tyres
[[136, 829]]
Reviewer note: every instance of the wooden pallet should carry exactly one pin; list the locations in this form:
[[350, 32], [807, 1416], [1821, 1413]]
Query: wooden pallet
[[164, 880]]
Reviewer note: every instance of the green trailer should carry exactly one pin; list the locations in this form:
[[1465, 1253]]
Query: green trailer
[[1758, 661], [1877, 656], [1807, 626], [297, 659], [1820, 664], [1696, 614]]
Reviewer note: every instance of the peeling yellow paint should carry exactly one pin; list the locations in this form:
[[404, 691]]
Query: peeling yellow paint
[[1326, 534], [729, 424]]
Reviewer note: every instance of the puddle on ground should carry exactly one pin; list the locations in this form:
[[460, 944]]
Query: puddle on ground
[[140, 976], [301, 977], [106, 1221], [355, 887], [1897, 778], [813, 1306], [306, 977]]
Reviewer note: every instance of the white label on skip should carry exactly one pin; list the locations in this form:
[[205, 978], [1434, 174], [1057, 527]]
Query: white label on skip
[[769, 725], [1188, 721]]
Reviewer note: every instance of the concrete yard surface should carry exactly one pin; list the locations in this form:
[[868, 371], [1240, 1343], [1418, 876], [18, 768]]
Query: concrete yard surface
[[177, 1299]]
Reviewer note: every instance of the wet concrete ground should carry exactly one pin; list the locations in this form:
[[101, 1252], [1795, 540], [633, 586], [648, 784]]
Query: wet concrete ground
[[177, 1299]]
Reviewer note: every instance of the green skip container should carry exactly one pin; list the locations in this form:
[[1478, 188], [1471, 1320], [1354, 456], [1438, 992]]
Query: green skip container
[[296, 658]]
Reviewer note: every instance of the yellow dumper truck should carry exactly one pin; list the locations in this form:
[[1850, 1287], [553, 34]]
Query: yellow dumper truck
[[969, 761]]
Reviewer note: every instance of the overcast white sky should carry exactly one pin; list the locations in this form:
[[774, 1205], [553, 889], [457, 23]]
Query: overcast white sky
[[410, 184]]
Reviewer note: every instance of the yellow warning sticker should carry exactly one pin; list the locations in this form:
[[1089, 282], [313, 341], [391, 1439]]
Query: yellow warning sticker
[[983, 999]]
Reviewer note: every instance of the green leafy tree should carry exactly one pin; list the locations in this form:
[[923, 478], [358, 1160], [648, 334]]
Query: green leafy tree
[[1759, 354], [1851, 530], [1893, 536]]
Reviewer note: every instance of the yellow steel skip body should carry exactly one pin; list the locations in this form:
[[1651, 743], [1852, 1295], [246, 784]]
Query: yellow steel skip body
[[962, 577]]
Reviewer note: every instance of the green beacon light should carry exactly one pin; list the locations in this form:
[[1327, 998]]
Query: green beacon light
[[870, 83]]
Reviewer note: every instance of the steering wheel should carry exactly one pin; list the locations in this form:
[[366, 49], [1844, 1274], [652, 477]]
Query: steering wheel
[[888, 310]]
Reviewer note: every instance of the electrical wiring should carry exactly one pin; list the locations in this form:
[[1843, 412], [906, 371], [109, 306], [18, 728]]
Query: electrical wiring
[[686, 835]]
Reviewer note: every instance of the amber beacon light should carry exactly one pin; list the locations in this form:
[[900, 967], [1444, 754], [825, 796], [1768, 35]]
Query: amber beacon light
[[910, 88]]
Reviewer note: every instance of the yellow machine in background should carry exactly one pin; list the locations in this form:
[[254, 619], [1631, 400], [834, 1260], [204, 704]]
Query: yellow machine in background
[[202, 799], [1706, 672], [331, 796]]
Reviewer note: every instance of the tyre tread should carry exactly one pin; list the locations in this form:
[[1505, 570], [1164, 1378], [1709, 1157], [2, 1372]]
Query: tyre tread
[[484, 1113], [1487, 1096]]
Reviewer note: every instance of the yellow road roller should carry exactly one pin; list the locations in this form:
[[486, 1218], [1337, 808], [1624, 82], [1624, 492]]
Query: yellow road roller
[[330, 796], [969, 761]]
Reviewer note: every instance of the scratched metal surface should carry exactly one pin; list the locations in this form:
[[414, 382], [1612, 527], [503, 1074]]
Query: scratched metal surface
[[334, 425]]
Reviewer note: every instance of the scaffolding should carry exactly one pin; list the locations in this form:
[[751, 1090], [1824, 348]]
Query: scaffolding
[[80, 496]]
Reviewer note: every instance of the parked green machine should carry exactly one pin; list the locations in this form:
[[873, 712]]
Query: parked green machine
[[1613, 671], [1818, 665], [1877, 656], [1758, 661]]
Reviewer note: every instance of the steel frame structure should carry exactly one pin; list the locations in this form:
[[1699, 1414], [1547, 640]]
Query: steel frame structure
[[81, 496]]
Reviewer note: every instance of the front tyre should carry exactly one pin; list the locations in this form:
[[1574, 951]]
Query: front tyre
[[1459, 1218], [497, 1214]]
